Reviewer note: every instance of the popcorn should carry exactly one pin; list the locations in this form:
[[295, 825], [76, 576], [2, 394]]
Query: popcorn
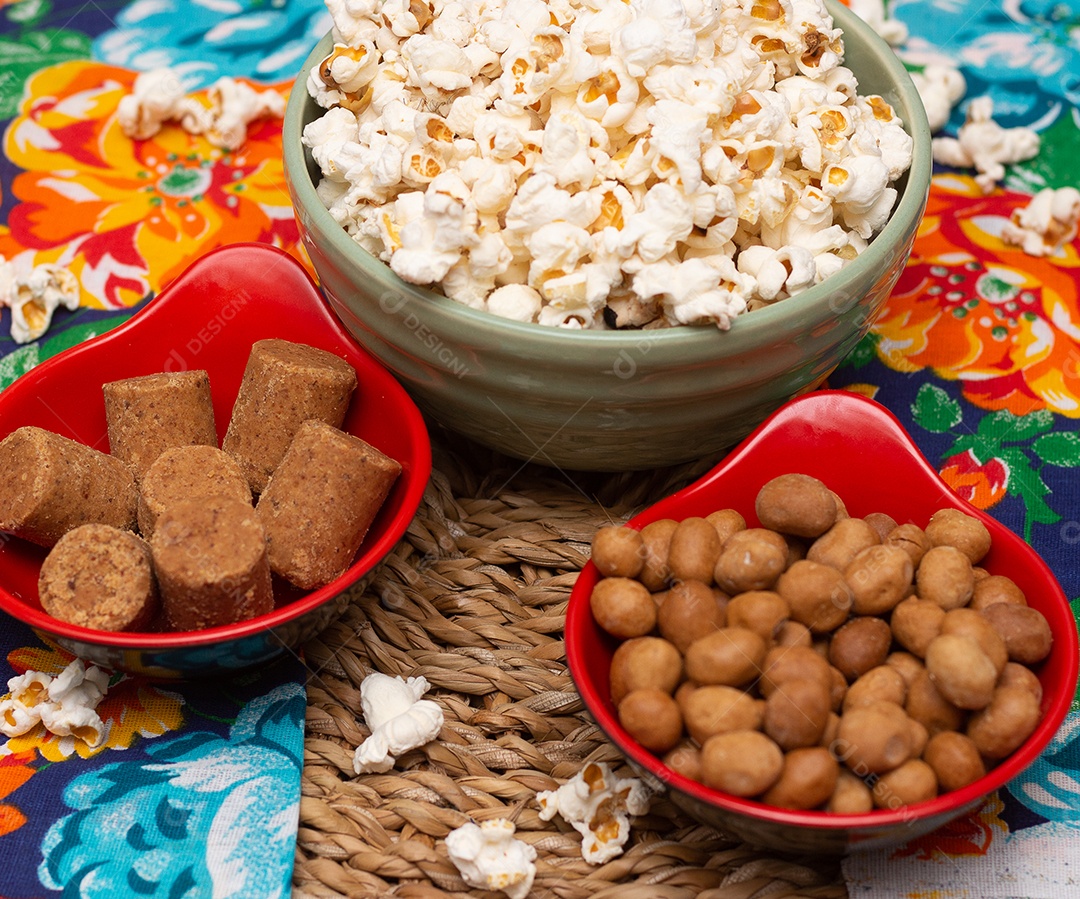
[[779, 273], [516, 301], [565, 147], [692, 292], [64, 704], [352, 18], [435, 66], [598, 805], [659, 32], [860, 192], [432, 242], [1046, 224], [873, 12], [79, 685], [349, 69], [489, 857], [940, 88], [158, 97], [34, 298], [666, 217], [984, 145], [550, 161], [399, 720], [20, 712], [235, 105]]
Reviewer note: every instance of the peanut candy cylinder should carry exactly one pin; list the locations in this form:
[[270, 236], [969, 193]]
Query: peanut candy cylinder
[[284, 385], [321, 501], [148, 414], [187, 472], [210, 558], [100, 577], [51, 484]]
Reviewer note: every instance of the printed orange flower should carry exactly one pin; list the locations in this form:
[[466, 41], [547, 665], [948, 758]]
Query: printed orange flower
[[15, 770], [132, 708], [127, 216], [983, 484], [974, 309]]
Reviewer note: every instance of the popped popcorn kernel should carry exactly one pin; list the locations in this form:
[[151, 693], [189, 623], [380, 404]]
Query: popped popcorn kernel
[[489, 857], [611, 159], [597, 804], [35, 296], [1046, 224], [65, 704], [982, 144]]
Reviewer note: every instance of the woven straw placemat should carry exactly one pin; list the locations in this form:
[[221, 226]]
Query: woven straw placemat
[[474, 599]]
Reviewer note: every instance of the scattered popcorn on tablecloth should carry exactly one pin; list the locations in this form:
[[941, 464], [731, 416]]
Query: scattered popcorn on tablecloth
[[598, 805], [873, 12], [984, 145], [64, 704], [34, 297], [158, 97], [1046, 224], [587, 163], [940, 87]]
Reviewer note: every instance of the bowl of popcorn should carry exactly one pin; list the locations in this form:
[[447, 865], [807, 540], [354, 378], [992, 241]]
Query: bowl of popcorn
[[818, 646], [200, 489], [606, 236]]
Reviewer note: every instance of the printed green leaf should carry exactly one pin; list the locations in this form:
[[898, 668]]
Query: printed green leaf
[[864, 353], [21, 360], [76, 334], [935, 410], [1003, 425], [1026, 483], [18, 363], [1061, 449], [29, 11], [963, 443], [25, 55]]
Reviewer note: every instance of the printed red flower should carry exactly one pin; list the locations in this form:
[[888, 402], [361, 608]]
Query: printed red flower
[[983, 484]]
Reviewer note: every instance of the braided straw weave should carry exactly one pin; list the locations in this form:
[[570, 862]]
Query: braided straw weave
[[474, 599]]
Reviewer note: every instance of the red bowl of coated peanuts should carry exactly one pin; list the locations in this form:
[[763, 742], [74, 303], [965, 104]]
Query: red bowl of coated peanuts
[[234, 346], [808, 701]]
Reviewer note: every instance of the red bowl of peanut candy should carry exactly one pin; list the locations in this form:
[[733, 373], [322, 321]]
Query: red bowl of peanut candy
[[852, 656]]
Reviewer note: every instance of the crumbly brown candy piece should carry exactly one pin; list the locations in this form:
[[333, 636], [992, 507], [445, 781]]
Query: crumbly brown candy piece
[[50, 484], [321, 501], [211, 564], [100, 577], [185, 472], [284, 385], [150, 413]]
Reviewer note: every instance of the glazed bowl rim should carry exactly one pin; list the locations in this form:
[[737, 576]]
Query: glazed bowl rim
[[687, 342]]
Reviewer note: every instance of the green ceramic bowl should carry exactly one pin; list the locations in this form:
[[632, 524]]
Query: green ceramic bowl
[[611, 400]]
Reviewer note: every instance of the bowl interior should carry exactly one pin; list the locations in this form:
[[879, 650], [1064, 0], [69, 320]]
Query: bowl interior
[[879, 72], [208, 318], [861, 451]]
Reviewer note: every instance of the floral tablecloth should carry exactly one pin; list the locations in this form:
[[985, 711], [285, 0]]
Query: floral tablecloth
[[195, 791]]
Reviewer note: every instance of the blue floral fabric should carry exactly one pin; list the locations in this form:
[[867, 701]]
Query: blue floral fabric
[[1024, 55], [204, 812], [195, 791], [203, 40]]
